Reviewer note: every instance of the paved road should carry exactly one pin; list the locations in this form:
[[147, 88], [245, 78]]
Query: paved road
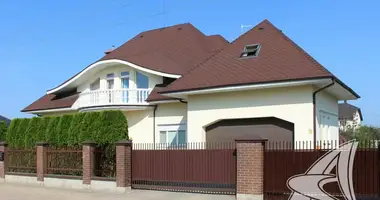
[[26, 192]]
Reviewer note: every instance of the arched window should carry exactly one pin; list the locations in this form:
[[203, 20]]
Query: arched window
[[142, 81], [95, 85]]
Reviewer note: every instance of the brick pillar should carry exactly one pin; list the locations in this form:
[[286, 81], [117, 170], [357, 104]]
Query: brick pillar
[[88, 164], [4, 160], [41, 160], [250, 169], [124, 163]]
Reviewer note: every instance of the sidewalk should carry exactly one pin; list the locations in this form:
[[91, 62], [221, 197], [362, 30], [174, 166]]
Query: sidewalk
[[27, 192]]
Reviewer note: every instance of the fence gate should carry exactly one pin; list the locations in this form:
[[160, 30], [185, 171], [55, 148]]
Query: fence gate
[[281, 161], [195, 167]]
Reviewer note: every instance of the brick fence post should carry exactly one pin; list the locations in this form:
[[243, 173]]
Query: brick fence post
[[250, 169], [41, 160], [88, 158], [124, 164], [4, 160]]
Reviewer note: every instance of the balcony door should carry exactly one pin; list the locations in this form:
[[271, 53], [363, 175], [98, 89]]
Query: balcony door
[[110, 86], [142, 83], [125, 86]]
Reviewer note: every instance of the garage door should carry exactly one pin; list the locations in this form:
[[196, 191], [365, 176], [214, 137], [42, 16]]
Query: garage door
[[271, 128]]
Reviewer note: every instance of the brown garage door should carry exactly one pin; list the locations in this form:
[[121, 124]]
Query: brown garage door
[[271, 128]]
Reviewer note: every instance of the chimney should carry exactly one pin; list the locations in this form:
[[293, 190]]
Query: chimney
[[109, 50]]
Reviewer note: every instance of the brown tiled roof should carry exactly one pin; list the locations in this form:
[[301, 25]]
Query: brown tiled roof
[[173, 50], [347, 111], [52, 101], [155, 96], [208, 61], [279, 59]]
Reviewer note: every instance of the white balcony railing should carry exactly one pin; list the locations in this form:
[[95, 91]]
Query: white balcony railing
[[113, 97]]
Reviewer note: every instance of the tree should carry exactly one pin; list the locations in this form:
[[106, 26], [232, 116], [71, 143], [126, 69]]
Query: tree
[[363, 134], [3, 130]]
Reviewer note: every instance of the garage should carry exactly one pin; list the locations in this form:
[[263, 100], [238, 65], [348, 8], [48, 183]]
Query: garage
[[271, 128]]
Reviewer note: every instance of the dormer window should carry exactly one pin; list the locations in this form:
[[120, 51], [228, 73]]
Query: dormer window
[[251, 50]]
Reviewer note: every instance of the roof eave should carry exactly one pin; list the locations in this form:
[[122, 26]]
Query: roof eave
[[247, 86]]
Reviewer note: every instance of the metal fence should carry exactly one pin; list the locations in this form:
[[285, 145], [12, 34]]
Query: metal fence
[[64, 161], [192, 167], [22, 161], [105, 162], [283, 160]]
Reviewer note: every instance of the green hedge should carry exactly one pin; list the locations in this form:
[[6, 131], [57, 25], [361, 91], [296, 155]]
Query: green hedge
[[104, 128], [3, 130]]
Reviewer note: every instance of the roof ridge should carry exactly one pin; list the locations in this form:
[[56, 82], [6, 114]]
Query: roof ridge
[[300, 49], [242, 35], [165, 27]]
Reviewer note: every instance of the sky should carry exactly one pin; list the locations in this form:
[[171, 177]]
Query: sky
[[43, 43]]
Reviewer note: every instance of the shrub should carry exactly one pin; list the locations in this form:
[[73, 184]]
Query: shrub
[[31, 133], [41, 129], [105, 128], [63, 129], [21, 133], [51, 132], [3, 130], [88, 126], [12, 131], [113, 127], [73, 134]]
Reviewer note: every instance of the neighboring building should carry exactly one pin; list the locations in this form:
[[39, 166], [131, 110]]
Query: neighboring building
[[349, 116], [177, 85], [2, 118]]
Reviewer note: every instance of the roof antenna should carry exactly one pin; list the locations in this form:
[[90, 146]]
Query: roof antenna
[[242, 27]]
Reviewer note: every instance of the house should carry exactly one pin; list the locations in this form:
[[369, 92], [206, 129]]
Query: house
[[6, 120], [350, 116], [177, 85]]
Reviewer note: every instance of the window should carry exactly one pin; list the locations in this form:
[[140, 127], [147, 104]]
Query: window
[[142, 80], [173, 135], [125, 86], [95, 85], [250, 51], [110, 81], [110, 85]]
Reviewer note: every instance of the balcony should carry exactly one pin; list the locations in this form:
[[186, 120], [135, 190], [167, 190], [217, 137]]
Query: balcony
[[119, 97]]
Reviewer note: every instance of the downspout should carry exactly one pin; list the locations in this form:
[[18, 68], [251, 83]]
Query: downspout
[[154, 125], [315, 110]]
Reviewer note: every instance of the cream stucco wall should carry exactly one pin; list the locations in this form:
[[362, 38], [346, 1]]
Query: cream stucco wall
[[140, 122], [140, 125], [117, 69], [327, 108], [293, 104]]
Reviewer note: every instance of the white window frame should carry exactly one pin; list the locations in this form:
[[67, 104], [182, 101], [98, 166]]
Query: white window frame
[[245, 52], [171, 127], [110, 78]]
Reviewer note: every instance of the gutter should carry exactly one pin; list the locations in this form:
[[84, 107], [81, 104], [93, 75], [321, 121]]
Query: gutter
[[315, 110], [154, 125]]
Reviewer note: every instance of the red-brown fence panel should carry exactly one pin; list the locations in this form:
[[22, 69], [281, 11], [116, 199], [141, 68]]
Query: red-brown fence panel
[[282, 162], [192, 167]]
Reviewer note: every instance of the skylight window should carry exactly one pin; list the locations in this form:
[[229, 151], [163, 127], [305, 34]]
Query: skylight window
[[251, 50]]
